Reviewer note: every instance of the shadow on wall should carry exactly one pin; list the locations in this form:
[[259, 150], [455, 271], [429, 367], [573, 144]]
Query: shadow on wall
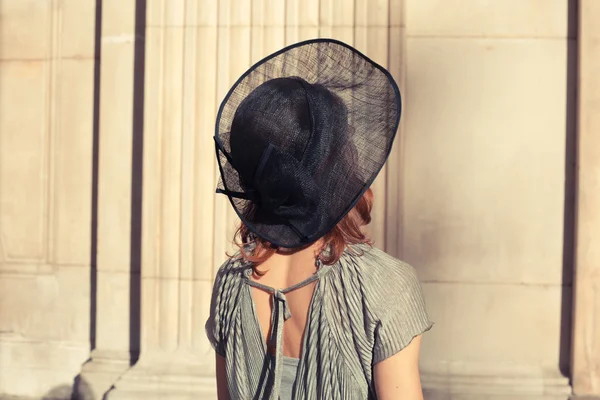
[[80, 390], [136, 179], [569, 200]]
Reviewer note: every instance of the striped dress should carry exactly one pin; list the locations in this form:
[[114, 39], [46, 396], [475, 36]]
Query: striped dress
[[365, 308]]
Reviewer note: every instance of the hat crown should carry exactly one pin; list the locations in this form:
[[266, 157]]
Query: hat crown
[[301, 136]]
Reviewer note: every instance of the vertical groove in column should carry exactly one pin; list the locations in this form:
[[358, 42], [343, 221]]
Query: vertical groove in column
[[394, 201], [171, 175], [370, 37], [155, 300], [268, 28], [257, 29], [276, 33], [234, 63], [151, 186], [325, 18], [205, 164], [205, 257], [222, 79], [359, 37], [301, 20], [354, 21], [284, 22], [52, 67], [240, 45], [291, 21], [188, 144], [186, 179]]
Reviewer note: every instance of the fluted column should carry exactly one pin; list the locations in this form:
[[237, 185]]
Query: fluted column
[[185, 225], [195, 50], [586, 328], [114, 281]]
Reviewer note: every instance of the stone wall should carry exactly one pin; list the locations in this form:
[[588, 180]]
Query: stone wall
[[490, 111], [46, 141], [110, 231]]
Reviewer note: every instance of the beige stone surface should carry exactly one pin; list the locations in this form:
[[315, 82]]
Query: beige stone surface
[[46, 81], [484, 159], [485, 18], [116, 280], [22, 24], [493, 340], [47, 306], [118, 21], [77, 27], [113, 313], [71, 196], [472, 196], [485, 128], [31, 368], [30, 28], [586, 332], [24, 148], [115, 150], [44, 324], [513, 325]]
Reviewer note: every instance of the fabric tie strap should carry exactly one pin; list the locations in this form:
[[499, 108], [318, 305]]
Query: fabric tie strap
[[280, 313], [279, 298]]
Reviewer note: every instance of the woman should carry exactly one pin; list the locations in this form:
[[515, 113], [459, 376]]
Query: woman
[[308, 309]]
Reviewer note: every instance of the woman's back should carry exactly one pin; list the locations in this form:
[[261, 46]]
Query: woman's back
[[282, 271]]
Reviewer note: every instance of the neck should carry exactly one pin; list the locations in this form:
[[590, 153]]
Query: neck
[[303, 260]]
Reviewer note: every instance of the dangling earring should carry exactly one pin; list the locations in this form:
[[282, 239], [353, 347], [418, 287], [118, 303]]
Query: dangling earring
[[318, 263], [250, 245], [325, 252]]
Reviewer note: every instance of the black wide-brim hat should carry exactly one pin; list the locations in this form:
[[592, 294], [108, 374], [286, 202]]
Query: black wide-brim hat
[[301, 136]]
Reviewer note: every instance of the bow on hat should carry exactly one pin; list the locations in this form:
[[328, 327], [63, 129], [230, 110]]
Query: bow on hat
[[280, 187]]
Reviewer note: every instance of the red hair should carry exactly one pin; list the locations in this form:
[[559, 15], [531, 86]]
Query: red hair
[[347, 232]]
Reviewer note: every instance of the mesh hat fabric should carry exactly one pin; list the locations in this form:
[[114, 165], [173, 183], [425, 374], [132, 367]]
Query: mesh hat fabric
[[301, 136]]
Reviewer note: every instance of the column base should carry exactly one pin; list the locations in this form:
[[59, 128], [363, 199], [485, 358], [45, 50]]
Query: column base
[[100, 373], [36, 367], [173, 378], [495, 387]]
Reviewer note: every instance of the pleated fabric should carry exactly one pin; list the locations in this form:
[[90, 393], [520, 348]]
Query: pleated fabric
[[365, 308]]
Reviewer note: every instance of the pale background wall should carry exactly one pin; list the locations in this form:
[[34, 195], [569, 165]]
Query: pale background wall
[[46, 112], [110, 232], [486, 125]]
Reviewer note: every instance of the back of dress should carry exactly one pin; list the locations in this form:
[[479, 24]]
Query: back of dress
[[364, 309]]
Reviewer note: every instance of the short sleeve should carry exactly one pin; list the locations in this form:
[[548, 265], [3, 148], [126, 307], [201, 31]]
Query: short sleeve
[[215, 325], [401, 314]]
